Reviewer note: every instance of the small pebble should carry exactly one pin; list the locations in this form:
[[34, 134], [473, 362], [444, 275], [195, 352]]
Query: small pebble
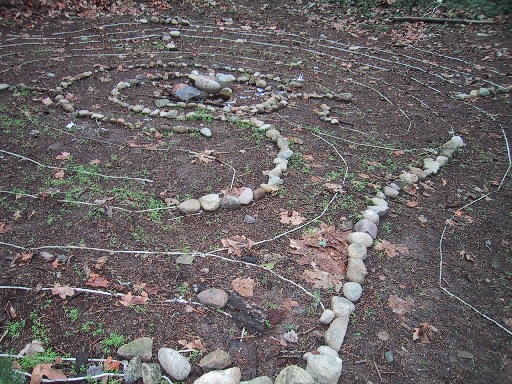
[[388, 356]]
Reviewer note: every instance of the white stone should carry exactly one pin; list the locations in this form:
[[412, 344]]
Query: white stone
[[357, 251], [371, 215], [360, 237], [327, 316], [379, 202], [442, 160], [356, 270], [454, 143], [379, 209], [325, 369], [294, 375], [335, 334], [206, 132], [352, 290], [246, 196], [210, 202], [174, 363], [431, 164], [390, 192], [342, 307], [226, 376]]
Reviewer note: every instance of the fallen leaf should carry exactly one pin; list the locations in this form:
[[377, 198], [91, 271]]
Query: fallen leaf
[[236, 243], [22, 258], [422, 219], [467, 256], [401, 306], [291, 217], [42, 370], [323, 280], [101, 262], [412, 204], [111, 365], [420, 334], [4, 228], [59, 174], [35, 346], [204, 157], [129, 299], [95, 162], [291, 336], [244, 287], [17, 215], [63, 291], [399, 153], [334, 188], [63, 156], [97, 281], [196, 344], [383, 335], [458, 213], [391, 250]]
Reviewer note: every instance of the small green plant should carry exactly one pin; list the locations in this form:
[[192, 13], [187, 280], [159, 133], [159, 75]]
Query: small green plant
[[72, 313], [194, 356], [183, 288], [46, 357], [39, 330], [15, 328], [114, 340], [7, 374], [87, 326], [267, 324]]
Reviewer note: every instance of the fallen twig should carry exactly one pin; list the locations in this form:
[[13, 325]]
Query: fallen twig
[[439, 20]]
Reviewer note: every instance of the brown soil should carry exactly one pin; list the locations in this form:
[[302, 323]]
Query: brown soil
[[417, 115]]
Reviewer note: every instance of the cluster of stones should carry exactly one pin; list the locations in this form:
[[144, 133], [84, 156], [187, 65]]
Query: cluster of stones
[[325, 111], [483, 92]]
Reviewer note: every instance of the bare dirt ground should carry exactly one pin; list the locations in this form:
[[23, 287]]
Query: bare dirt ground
[[404, 78]]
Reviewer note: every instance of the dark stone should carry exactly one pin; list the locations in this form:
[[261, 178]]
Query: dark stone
[[185, 92]]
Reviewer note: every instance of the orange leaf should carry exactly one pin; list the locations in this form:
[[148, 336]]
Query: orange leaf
[[59, 174], [97, 281], [129, 299], [244, 287], [4, 228], [458, 213], [41, 370], [62, 291], [399, 153], [63, 156], [111, 365], [412, 204]]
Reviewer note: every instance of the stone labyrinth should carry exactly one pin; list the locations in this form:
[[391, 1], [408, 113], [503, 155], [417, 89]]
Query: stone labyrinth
[[227, 119]]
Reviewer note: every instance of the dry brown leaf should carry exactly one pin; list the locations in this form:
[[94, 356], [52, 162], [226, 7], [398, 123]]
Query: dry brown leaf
[[63, 156], [334, 188], [467, 256], [4, 228], [420, 333], [401, 306], [59, 174], [111, 365], [63, 291], [244, 287], [391, 250], [323, 280], [35, 346], [95, 162], [102, 260], [236, 243], [42, 370], [129, 299], [97, 281], [196, 344], [412, 204], [17, 215], [204, 157], [291, 217], [22, 258]]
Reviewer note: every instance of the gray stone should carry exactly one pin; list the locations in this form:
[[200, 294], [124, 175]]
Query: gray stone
[[442, 160], [286, 154], [357, 251], [326, 350], [448, 152], [454, 143], [248, 219], [151, 373], [227, 376], [174, 363], [259, 380], [261, 83], [225, 81], [185, 92], [420, 173], [484, 92], [246, 196], [388, 355], [214, 297], [210, 202], [356, 271], [367, 226], [217, 359], [352, 291], [272, 134], [230, 202], [189, 206], [341, 306], [379, 202], [141, 347], [327, 316], [335, 334], [360, 237], [274, 180], [243, 78], [325, 369], [394, 186], [206, 132], [207, 84], [347, 96], [408, 178], [185, 259], [160, 103], [4, 86], [258, 194], [380, 195], [133, 370], [371, 215], [431, 164], [379, 209], [294, 375], [390, 192], [175, 33], [225, 93]]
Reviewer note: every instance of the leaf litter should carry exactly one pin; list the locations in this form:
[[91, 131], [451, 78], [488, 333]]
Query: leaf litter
[[401, 306], [391, 250]]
